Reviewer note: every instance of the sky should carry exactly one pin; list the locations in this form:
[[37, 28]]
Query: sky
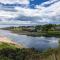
[[29, 12]]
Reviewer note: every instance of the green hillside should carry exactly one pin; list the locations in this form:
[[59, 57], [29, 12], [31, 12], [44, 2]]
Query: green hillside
[[11, 52]]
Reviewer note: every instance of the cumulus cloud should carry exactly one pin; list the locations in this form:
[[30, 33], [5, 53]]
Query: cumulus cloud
[[41, 14], [52, 10], [45, 13]]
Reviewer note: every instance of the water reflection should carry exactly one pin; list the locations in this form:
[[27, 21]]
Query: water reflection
[[28, 41]]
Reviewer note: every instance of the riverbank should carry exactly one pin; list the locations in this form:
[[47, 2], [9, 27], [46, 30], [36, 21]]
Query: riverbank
[[4, 39], [48, 30], [10, 52], [38, 34]]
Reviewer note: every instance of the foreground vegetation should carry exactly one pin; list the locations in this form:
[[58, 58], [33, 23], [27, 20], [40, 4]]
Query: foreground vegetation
[[10, 52], [39, 30]]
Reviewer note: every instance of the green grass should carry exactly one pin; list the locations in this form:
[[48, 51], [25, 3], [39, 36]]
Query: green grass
[[10, 52], [6, 45]]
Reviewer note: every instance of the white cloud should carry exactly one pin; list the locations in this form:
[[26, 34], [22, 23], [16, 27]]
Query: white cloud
[[15, 1], [15, 22], [46, 14], [49, 2], [6, 15], [50, 11]]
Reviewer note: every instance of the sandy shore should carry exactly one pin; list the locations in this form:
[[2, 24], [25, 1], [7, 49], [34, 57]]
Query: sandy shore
[[6, 40]]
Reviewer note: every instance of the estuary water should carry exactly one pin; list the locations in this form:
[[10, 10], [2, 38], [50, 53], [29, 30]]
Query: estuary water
[[31, 42]]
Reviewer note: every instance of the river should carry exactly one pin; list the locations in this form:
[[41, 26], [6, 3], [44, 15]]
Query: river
[[31, 42]]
